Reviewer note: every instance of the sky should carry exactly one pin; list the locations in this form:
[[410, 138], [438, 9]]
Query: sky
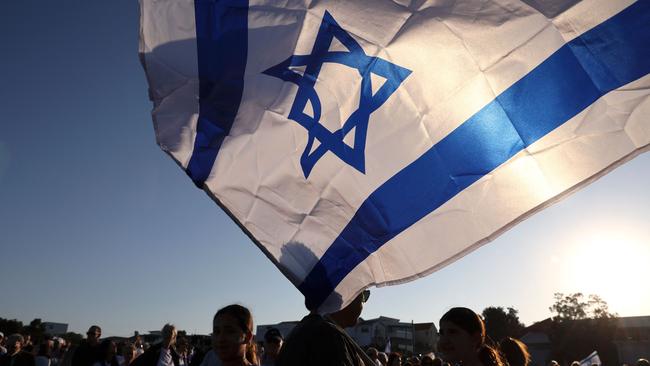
[[99, 226]]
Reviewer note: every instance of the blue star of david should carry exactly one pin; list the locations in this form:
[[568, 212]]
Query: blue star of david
[[354, 58]]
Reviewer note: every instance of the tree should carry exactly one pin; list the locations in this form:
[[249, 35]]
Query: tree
[[500, 324], [580, 326], [573, 307], [10, 326], [599, 308], [569, 307], [36, 329]]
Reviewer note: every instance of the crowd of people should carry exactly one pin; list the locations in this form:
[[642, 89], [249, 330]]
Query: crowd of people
[[317, 340]]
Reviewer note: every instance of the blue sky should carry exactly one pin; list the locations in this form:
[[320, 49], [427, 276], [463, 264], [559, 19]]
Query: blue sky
[[98, 225]]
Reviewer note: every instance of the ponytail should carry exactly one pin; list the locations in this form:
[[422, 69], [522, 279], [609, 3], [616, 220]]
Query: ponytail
[[490, 356], [515, 352], [251, 353]]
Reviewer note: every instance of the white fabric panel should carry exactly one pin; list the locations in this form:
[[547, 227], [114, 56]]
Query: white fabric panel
[[168, 54]]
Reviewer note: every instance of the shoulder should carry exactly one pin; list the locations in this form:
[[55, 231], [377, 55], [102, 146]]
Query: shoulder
[[83, 346], [314, 328], [26, 355], [5, 359], [25, 359], [316, 323], [153, 350], [210, 359], [316, 342]]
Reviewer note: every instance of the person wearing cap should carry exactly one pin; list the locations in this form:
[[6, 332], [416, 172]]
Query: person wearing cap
[[322, 341], [272, 345]]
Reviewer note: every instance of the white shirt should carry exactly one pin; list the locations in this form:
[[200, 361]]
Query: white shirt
[[165, 357]]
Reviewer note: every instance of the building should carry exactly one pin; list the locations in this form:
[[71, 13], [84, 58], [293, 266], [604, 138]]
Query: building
[[55, 329], [632, 339], [377, 333], [407, 338], [538, 342], [400, 336], [426, 337]]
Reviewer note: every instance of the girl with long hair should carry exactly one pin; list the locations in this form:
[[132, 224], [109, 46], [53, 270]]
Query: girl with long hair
[[462, 340], [232, 329]]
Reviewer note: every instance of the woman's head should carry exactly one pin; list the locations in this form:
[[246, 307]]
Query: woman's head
[[467, 320], [462, 333], [515, 352], [232, 329], [462, 339]]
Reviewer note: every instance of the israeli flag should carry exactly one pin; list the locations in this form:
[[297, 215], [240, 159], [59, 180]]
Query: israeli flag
[[591, 360], [371, 142]]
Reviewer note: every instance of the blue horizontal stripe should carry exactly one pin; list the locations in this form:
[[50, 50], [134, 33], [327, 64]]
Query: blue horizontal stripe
[[222, 48], [614, 53]]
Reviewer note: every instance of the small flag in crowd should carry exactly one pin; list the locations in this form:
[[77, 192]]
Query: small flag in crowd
[[387, 349], [590, 360], [372, 142]]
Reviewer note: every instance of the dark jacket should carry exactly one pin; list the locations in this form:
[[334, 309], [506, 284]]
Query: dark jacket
[[317, 341], [19, 359], [85, 354], [150, 357]]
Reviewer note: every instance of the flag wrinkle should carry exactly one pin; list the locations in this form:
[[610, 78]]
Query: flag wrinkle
[[316, 206], [462, 41], [159, 94], [266, 194], [535, 23], [519, 46], [158, 102], [637, 108], [513, 149], [439, 265], [399, 31], [589, 71], [448, 124]]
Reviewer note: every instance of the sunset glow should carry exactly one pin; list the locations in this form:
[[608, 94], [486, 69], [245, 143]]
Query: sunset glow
[[613, 265]]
